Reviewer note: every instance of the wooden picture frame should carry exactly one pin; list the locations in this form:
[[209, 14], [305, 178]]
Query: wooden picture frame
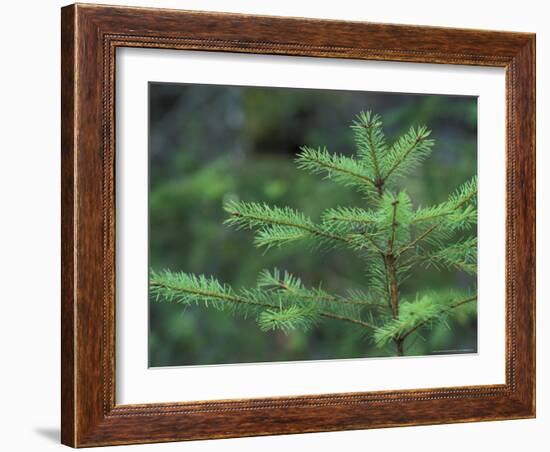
[[90, 36]]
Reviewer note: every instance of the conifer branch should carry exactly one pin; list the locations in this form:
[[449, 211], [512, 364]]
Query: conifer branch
[[408, 152], [462, 255], [450, 308], [455, 217], [415, 315], [293, 285], [370, 239], [418, 239], [267, 305], [350, 219], [342, 169], [288, 225], [348, 319], [371, 145], [465, 195]]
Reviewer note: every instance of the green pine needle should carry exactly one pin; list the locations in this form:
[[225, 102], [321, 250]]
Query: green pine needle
[[288, 319], [371, 143], [345, 170], [425, 311], [408, 152]]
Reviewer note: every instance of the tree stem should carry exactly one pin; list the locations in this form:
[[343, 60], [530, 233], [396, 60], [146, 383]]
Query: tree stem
[[400, 346], [394, 294], [394, 289]]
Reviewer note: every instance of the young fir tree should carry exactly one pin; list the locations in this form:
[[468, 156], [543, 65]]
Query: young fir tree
[[389, 233]]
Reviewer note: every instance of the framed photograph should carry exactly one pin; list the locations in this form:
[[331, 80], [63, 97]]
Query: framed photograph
[[281, 225]]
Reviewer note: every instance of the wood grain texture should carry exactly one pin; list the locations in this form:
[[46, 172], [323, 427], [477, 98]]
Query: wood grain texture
[[68, 310], [90, 36]]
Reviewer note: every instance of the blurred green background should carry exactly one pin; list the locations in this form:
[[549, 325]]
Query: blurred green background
[[209, 144]]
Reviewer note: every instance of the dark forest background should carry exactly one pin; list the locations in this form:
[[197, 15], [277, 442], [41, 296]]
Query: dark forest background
[[210, 144]]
